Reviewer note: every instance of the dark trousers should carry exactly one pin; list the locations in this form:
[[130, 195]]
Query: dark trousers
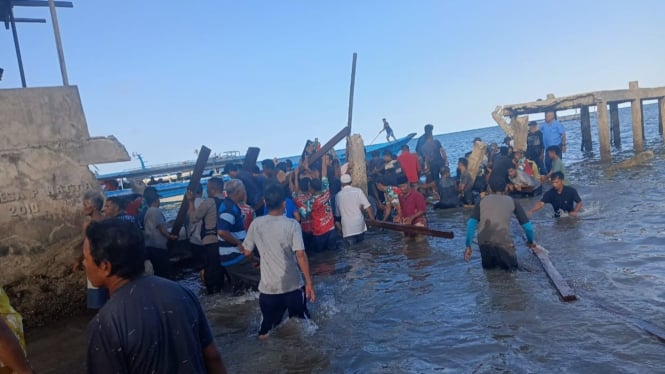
[[161, 263], [198, 255], [308, 240], [494, 256], [214, 274], [435, 169], [354, 239], [327, 241], [274, 306]]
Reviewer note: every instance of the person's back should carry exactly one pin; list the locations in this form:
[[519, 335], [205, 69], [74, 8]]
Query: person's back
[[410, 165], [448, 197], [494, 223], [350, 203], [276, 238], [150, 325]]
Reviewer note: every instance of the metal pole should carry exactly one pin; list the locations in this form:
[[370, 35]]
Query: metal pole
[[353, 83], [17, 47], [58, 42]]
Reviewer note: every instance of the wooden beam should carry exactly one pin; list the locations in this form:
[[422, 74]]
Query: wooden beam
[[476, 159], [330, 144], [194, 182], [566, 293], [410, 229], [585, 124], [603, 132], [349, 119], [251, 158], [616, 126]]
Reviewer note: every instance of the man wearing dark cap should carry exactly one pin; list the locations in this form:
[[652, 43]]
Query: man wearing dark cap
[[535, 147], [492, 218]]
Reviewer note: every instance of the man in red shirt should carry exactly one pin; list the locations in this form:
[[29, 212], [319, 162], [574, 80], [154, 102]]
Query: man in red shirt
[[412, 204], [319, 209], [410, 165]]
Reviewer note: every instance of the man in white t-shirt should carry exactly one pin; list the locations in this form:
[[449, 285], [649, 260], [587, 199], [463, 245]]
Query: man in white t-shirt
[[349, 205]]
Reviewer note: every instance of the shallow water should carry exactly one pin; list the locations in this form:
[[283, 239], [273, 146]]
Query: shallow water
[[392, 306]]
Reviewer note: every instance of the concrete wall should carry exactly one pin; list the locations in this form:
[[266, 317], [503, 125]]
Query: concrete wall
[[45, 149]]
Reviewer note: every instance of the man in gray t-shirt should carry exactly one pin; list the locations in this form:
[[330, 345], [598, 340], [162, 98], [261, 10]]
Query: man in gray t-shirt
[[280, 244], [492, 217]]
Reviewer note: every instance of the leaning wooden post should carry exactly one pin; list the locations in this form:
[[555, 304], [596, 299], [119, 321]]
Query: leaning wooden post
[[476, 158], [585, 122], [357, 159], [616, 126], [661, 117], [636, 109], [603, 131]]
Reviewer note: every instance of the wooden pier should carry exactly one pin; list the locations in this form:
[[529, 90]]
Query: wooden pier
[[608, 121]]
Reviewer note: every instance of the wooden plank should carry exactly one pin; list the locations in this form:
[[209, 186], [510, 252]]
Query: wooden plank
[[346, 131], [194, 182], [410, 229], [566, 293], [251, 158], [622, 313]]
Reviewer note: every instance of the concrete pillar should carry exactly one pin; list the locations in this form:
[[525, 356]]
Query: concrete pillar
[[585, 122], [603, 131], [520, 127], [616, 127], [661, 117], [636, 109], [356, 149]]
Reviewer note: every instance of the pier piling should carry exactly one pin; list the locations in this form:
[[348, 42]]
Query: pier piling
[[636, 109], [616, 127], [603, 131], [585, 123], [661, 115]]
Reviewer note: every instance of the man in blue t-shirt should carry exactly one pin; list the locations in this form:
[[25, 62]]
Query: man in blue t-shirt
[[553, 134], [150, 324]]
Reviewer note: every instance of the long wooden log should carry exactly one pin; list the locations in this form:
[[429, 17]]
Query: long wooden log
[[194, 182], [566, 293], [410, 229], [346, 131]]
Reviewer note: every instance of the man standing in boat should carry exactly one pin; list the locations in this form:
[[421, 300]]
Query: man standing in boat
[[388, 130], [491, 215]]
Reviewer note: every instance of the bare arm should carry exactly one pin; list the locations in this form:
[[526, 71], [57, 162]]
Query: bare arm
[[213, 360], [578, 207], [303, 263], [11, 352], [370, 212], [539, 205]]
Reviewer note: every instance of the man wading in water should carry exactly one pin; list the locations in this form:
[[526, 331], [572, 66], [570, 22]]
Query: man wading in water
[[493, 214]]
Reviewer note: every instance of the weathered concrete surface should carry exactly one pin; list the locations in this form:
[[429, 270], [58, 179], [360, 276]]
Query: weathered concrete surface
[[45, 149], [356, 149], [518, 128]]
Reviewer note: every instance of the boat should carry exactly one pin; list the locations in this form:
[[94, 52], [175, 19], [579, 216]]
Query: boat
[[173, 190]]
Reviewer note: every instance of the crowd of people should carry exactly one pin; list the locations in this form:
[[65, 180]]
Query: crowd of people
[[254, 230]]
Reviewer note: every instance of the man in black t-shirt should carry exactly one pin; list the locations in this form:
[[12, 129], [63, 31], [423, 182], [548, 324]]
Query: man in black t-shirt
[[150, 324], [563, 198]]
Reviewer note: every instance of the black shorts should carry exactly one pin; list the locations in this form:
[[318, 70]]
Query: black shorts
[[495, 256], [273, 307]]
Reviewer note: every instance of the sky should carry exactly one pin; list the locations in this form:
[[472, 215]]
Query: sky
[[166, 77]]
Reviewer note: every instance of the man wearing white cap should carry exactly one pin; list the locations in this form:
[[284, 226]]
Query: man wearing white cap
[[349, 205]]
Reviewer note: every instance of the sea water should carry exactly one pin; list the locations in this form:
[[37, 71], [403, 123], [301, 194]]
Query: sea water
[[395, 306]]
